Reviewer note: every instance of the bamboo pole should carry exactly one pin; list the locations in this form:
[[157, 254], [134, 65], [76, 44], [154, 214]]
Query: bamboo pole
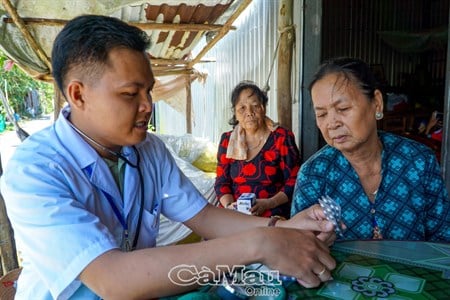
[[284, 96]]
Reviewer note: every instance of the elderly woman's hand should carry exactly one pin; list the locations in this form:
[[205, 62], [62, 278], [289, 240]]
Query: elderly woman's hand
[[261, 206], [232, 205]]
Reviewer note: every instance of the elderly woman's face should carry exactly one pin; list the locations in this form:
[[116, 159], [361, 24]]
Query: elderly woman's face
[[249, 110], [344, 115]]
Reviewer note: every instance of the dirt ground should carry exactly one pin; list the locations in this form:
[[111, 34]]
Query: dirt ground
[[9, 139]]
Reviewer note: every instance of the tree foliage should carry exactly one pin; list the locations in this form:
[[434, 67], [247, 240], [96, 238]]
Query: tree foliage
[[17, 84]]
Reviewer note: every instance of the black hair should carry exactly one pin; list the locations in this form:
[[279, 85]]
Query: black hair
[[352, 69], [244, 85], [85, 41]]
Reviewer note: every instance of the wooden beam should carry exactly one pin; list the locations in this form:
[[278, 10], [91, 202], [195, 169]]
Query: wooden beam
[[222, 32], [168, 62], [168, 68], [159, 73], [27, 35], [40, 21], [147, 26], [179, 27], [287, 38], [171, 62]]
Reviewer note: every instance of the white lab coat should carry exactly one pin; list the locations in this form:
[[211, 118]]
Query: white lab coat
[[55, 187]]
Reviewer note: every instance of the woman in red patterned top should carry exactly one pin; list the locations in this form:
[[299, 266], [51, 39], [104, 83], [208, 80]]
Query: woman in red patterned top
[[257, 156]]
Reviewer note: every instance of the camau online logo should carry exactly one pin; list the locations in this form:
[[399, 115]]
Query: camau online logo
[[186, 275]]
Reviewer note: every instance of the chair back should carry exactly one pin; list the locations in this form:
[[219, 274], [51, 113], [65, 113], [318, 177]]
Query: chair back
[[8, 284]]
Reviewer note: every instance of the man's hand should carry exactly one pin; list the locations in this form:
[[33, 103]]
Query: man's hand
[[313, 219], [244, 239], [298, 253]]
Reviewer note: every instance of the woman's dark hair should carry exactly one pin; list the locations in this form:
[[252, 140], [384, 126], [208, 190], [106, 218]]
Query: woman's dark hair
[[244, 85], [352, 69], [85, 41]]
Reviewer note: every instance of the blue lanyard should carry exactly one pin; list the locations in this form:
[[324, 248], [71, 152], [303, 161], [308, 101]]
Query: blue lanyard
[[121, 219], [119, 216]]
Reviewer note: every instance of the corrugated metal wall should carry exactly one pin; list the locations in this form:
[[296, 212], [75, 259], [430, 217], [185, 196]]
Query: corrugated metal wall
[[351, 28], [242, 54]]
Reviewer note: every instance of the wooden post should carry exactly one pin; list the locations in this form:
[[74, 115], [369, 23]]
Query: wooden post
[[8, 252], [310, 137], [445, 153], [188, 104], [7, 243], [287, 35]]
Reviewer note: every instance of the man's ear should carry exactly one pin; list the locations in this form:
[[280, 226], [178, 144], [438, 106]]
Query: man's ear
[[75, 90]]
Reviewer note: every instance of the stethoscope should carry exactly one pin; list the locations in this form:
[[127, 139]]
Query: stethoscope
[[122, 220]]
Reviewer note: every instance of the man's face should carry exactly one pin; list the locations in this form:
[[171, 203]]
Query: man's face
[[116, 108]]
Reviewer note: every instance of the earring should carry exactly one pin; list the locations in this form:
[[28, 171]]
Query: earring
[[379, 115]]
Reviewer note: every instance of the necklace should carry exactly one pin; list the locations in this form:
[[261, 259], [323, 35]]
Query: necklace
[[376, 231], [257, 145]]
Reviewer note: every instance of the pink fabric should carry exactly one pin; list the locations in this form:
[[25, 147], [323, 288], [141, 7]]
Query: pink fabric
[[7, 66]]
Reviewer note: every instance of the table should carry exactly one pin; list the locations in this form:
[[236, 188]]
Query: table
[[366, 270], [394, 269]]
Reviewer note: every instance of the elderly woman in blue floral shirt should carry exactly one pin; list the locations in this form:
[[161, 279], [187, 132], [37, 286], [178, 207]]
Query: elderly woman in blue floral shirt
[[388, 187]]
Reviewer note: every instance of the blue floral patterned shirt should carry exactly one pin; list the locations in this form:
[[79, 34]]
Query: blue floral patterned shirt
[[412, 202]]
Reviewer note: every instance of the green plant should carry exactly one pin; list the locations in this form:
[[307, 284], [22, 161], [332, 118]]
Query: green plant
[[18, 84]]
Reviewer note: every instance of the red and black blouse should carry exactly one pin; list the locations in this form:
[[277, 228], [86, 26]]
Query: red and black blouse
[[272, 170]]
